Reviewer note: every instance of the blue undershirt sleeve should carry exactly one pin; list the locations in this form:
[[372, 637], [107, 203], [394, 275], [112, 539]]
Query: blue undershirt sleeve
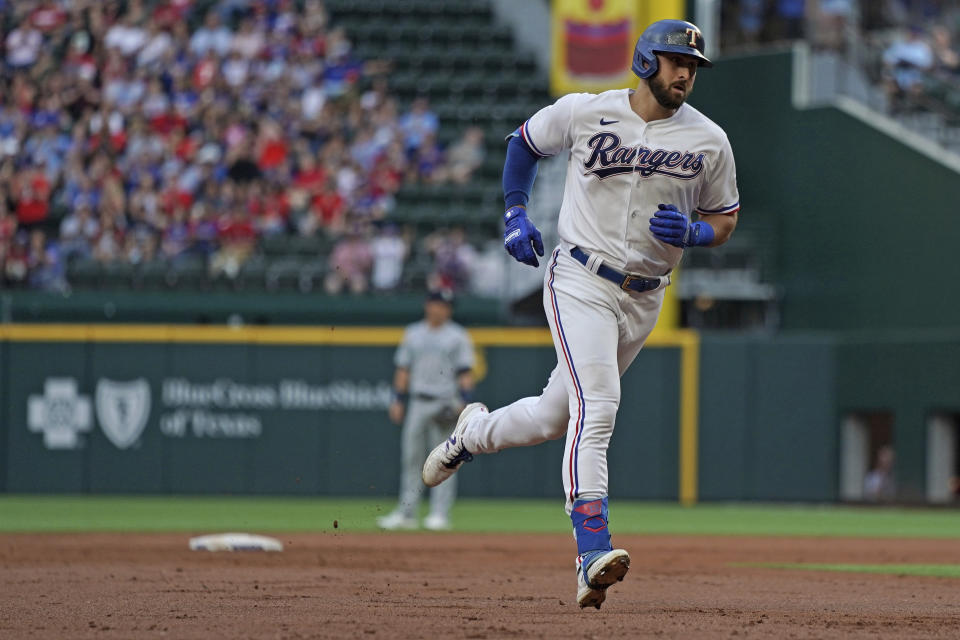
[[519, 171]]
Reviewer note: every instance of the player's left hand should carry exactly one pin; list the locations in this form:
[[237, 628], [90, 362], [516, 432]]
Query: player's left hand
[[672, 226], [396, 412]]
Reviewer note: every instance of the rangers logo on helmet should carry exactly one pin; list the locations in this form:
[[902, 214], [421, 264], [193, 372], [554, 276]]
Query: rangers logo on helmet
[[667, 36]]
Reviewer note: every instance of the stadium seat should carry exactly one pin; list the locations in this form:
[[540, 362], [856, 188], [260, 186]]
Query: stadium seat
[[311, 275], [283, 273], [84, 273], [152, 275], [117, 274], [276, 244], [252, 276], [187, 272], [307, 246]]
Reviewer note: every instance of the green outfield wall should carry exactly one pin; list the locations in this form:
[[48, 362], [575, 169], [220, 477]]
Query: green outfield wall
[[207, 412], [768, 418], [189, 417]]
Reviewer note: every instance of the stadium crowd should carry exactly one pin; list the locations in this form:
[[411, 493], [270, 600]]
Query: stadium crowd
[[145, 130], [909, 47]]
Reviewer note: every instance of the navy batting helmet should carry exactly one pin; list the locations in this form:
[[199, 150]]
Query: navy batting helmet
[[667, 36]]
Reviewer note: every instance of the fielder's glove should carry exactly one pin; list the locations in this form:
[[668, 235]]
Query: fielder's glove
[[674, 227], [447, 416], [519, 235]]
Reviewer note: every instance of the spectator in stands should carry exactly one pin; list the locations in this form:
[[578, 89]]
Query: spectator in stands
[[879, 484], [237, 238], [159, 43], [141, 247], [453, 260], [78, 231], [328, 209], [905, 62], [350, 264], [45, 269], [341, 69], [23, 46], [8, 229], [148, 134], [389, 250], [789, 21], [243, 168], [47, 17], [274, 214], [377, 95], [126, 36], [427, 164], [946, 58], [751, 19], [914, 11], [48, 149], [830, 20], [32, 200], [465, 156], [211, 37], [309, 178], [16, 263], [249, 39], [384, 181], [176, 234], [206, 230], [418, 124], [108, 245]]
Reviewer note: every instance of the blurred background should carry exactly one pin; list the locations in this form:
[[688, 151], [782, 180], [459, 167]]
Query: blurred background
[[185, 183]]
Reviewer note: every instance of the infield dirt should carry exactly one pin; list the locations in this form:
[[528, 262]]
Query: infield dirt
[[342, 585]]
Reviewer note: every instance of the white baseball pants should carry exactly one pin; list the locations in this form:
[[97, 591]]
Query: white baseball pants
[[598, 329]]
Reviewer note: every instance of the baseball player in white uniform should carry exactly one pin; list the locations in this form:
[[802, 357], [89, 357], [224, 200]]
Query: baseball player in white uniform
[[641, 162], [432, 381]]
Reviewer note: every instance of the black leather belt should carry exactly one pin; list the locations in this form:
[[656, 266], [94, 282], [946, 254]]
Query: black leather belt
[[426, 397], [622, 280]]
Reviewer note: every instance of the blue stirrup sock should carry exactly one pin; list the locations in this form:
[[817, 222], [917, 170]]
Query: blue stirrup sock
[[590, 525]]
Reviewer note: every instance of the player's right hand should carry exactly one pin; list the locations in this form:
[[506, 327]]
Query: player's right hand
[[520, 237]]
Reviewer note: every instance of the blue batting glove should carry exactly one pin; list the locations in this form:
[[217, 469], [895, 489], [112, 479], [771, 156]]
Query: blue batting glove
[[672, 226], [519, 235]]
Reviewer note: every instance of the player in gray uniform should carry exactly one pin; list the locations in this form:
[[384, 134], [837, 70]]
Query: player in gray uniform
[[648, 176], [432, 382]]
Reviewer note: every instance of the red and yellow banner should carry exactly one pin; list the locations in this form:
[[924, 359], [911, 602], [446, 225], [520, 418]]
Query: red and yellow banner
[[593, 41]]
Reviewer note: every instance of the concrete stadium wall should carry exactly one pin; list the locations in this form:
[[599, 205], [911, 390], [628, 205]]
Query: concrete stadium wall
[[861, 225], [913, 377]]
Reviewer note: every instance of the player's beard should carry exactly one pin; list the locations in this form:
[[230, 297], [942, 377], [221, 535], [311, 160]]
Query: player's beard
[[662, 93]]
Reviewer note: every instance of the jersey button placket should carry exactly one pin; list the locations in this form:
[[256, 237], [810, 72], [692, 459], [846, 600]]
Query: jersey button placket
[[634, 214]]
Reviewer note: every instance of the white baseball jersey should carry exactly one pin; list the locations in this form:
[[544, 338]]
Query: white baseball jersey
[[621, 167]]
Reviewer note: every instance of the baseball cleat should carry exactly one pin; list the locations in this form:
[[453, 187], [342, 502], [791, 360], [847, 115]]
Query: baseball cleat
[[397, 521], [597, 571], [436, 522], [447, 457]]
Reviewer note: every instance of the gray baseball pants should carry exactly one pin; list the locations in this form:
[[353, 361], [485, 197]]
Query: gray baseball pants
[[420, 434]]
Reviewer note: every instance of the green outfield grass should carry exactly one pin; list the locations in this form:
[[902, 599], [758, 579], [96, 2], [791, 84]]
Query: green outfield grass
[[22, 513], [929, 570]]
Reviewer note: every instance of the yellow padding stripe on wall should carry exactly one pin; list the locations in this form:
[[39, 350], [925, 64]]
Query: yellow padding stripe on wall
[[294, 335]]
